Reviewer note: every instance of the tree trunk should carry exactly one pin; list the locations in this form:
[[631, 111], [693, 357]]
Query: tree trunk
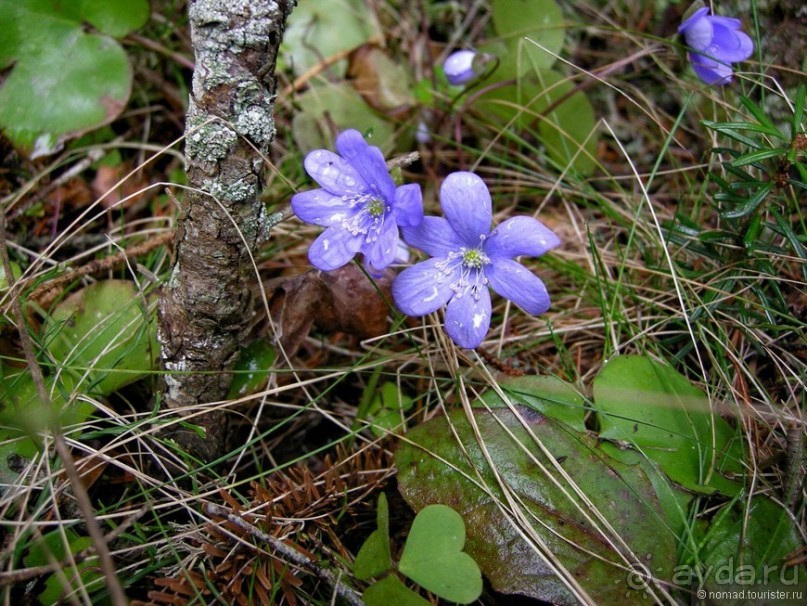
[[206, 306]]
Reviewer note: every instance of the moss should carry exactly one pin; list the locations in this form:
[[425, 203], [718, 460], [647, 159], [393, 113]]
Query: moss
[[211, 141], [242, 190]]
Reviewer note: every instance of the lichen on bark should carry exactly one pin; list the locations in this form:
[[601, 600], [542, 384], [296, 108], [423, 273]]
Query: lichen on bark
[[207, 303]]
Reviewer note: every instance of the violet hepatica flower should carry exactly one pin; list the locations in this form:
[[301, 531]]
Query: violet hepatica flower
[[459, 67], [358, 204], [467, 258], [715, 44]]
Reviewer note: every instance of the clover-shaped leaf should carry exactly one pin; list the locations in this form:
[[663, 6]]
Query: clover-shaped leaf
[[434, 559]]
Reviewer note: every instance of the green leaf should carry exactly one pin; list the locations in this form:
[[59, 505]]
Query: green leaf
[[543, 100], [64, 80], [433, 556], [442, 462], [548, 395], [104, 335], [323, 106], [375, 556], [750, 205], [320, 30], [390, 590], [657, 410], [539, 20], [24, 414], [253, 368], [89, 574], [747, 546], [757, 156], [115, 18]]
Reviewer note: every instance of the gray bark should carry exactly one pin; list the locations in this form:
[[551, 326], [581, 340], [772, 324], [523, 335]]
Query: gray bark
[[207, 304]]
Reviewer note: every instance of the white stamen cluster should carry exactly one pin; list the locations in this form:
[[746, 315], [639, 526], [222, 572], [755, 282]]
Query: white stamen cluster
[[369, 221], [471, 263]]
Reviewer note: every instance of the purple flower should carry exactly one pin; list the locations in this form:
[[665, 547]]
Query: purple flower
[[359, 205], [459, 67], [467, 258], [715, 44]]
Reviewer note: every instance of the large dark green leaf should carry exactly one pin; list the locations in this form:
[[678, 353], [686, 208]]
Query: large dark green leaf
[[437, 465]]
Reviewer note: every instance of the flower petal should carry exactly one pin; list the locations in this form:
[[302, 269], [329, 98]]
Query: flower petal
[[730, 46], [333, 173], [416, 289], [320, 207], [467, 206], [697, 30], [433, 236], [709, 70], [334, 248], [408, 206], [515, 282], [520, 236], [382, 250], [468, 319], [368, 161]]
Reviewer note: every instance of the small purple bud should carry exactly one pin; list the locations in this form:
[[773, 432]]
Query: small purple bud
[[459, 67]]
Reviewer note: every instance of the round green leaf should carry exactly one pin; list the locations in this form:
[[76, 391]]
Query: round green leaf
[[539, 20], [542, 101], [103, 334], [657, 410], [115, 17], [63, 80], [433, 556], [319, 30], [337, 104]]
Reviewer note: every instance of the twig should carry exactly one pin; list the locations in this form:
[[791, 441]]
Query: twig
[[45, 293], [348, 593], [82, 498]]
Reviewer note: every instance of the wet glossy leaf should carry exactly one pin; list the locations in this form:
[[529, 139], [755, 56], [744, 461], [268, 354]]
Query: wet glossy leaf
[[105, 334], [654, 408], [548, 395], [324, 107], [64, 80], [253, 368], [538, 20], [434, 559], [440, 467]]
